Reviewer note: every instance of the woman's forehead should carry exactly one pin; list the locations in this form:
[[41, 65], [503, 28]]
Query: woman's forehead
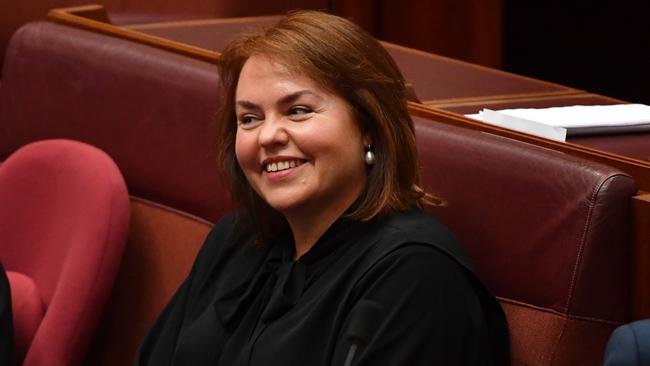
[[262, 71], [277, 64]]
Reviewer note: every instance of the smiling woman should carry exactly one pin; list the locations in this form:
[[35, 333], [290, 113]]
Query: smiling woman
[[287, 118], [327, 258]]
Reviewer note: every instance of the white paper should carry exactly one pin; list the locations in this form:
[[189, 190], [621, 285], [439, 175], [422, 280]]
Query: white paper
[[576, 120], [586, 115], [520, 124]]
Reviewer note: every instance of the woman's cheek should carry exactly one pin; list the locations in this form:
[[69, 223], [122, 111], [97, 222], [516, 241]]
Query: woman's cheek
[[245, 150]]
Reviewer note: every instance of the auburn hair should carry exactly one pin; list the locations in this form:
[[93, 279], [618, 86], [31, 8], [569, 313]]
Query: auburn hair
[[344, 59]]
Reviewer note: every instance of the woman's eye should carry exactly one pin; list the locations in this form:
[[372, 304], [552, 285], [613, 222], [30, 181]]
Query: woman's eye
[[299, 112], [247, 121]]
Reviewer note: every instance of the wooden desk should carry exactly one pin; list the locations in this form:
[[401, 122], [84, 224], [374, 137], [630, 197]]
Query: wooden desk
[[438, 81], [539, 101], [451, 80], [210, 34], [633, 145]]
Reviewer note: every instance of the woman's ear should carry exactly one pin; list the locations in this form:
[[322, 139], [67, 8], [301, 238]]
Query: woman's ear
[[367, 139]]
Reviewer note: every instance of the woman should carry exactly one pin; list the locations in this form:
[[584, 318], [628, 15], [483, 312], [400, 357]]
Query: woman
[[327, 258]]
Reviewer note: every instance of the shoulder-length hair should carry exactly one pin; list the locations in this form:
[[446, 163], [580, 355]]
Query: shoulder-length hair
[[347, 61]]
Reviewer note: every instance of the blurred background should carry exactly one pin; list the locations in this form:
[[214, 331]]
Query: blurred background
[[602, 47]]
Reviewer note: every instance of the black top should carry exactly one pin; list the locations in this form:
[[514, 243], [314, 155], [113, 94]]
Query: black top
[[399, 288]]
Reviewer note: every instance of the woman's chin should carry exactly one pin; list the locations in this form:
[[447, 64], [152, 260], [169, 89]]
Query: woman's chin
[[286, 206]]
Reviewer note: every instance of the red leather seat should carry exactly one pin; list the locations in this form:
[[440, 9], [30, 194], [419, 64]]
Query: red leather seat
[[548, 233], [64, 214], [14, 14], [150, 110]]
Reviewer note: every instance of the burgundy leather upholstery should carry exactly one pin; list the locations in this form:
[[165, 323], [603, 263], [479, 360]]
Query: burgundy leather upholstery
[[27, 310], [545, 230], [538, 206], [150, 110], [548, 233], [14, 14], [64, 214]]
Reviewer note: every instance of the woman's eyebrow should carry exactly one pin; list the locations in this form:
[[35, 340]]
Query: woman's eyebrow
[[247, 105], [287, 99], [290, 98]]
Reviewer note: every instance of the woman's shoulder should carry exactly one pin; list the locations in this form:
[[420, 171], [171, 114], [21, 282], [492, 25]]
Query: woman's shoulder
[[219, 236], [419, 263], [415, 252], [417, 244], [402, 230], [224, 242]]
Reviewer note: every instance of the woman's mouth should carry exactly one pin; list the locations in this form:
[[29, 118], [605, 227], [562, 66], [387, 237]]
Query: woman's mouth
[[278, 166]]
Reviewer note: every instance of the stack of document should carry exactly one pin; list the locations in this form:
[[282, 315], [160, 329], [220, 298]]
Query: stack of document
[[558, 122]]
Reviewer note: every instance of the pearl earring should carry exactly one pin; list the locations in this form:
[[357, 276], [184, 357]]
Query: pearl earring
[[370, 156]]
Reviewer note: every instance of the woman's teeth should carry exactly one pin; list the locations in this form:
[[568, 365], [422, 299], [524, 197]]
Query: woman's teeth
[[281, 165]]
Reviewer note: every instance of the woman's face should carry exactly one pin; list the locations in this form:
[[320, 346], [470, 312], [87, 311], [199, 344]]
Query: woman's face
[[299, 145]]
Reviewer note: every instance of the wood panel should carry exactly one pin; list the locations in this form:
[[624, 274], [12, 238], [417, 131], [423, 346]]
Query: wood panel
[[464, 29], [74, 16], [471, 106]]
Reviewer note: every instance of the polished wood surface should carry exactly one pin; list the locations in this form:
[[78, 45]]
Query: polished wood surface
[[210, 34], [463, 29], [438, 79], [77, 17], [474, 105], [433, 77]]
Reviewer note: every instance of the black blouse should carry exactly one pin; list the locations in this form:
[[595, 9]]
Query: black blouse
[[399, 289]]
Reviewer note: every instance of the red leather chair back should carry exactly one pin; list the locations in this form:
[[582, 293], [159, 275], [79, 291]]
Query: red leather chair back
[[548, 233], [64, 216], [14, 14], [150, 110]]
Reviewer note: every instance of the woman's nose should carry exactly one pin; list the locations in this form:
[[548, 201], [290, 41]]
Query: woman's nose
[[273, 132]]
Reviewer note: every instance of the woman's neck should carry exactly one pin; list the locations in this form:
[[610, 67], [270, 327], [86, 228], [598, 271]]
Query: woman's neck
[[307, 228]]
